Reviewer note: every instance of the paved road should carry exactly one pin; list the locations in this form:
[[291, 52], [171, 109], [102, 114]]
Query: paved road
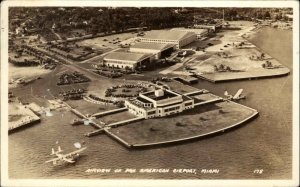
[[176, 66]]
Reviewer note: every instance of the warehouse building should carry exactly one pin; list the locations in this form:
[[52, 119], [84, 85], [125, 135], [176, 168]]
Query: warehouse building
[[159, 50], [127, 60], [200, 33], [159, 103], [179, 38]]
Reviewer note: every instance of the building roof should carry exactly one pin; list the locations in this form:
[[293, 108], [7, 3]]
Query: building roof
[[126, 56], [197, 31], [166, 94], [168, 34], [154, 46]]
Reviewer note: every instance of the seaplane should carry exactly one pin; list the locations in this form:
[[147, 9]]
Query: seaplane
[[68, 158], [236, 97]]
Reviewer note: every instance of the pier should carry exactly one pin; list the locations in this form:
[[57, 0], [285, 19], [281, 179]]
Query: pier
[[77, 113], [197, 92], [17, 126], [186, 79], [124, 122], [96, 132], [120, 140], [97, 115], [21, 116], [208, 102], [231, 76]]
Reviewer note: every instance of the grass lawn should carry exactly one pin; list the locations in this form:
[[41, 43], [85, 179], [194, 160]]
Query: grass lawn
[[195, 122]]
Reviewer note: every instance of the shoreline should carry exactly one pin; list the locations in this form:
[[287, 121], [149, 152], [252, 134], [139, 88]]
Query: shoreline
[[123, 141], [259, 74]]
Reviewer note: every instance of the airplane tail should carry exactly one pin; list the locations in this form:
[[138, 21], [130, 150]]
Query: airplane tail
[[59, 150]]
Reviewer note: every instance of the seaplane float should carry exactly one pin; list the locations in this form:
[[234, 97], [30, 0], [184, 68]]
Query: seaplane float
[[235, 97], [66, 158]]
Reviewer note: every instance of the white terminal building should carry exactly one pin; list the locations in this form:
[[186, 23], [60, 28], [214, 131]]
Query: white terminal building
[[159, 103], [179, 38]]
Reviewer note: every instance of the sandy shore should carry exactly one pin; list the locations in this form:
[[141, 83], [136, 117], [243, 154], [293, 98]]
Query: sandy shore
[[237, 59], [24, 72]]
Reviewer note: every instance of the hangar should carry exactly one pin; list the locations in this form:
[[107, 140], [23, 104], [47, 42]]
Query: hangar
[[127, 59], [199, 32], [179, 38], [159, 50]]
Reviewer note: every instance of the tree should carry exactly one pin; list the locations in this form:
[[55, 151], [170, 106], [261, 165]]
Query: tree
[[267, 15]]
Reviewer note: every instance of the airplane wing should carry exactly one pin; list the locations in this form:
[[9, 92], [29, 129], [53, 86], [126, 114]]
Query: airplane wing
[[68, 160], [238, 93], [52, 160], [74, 152]]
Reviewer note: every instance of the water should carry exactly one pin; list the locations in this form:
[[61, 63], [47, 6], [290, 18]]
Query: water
[[265, 143]]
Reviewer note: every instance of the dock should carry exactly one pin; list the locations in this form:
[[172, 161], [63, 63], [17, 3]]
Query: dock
[[120, 140], [124, 122], [186, 79], [208, 102], [17, 126], [97, 115], [77, 113], [96, 132], [197, 92], [28, 117]]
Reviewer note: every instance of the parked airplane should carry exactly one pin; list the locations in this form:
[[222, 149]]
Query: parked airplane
[[69, 158], [237, 96]]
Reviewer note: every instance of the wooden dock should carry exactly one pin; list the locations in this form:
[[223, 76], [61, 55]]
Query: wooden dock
[[208, 102], [115, 137], [17, 126], [124, 122], [96, 132], [186, 79], [97, 115], [77, 113], [28, 118]]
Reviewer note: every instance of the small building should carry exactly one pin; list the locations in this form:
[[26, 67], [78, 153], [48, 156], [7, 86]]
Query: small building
[[179, 38], [210, 27], [159, 50], [127, 59], [200, 33], [159, 103]]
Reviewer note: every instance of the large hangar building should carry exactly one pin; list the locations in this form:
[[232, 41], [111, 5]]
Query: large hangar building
[[200, 33], [159, 50], [126, 59], [179, 38]]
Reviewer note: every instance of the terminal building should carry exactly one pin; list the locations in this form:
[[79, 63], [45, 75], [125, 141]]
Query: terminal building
[[200, 33], [159, 103], [178, 38], [159, 50], [127, 59]]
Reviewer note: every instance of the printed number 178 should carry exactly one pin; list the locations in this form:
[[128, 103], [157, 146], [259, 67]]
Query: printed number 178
[[258, 171]]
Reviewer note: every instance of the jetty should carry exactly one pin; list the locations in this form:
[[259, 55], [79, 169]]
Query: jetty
[[186, 79], [100, 114], [96, 132], [21, 116], [124, 122]]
